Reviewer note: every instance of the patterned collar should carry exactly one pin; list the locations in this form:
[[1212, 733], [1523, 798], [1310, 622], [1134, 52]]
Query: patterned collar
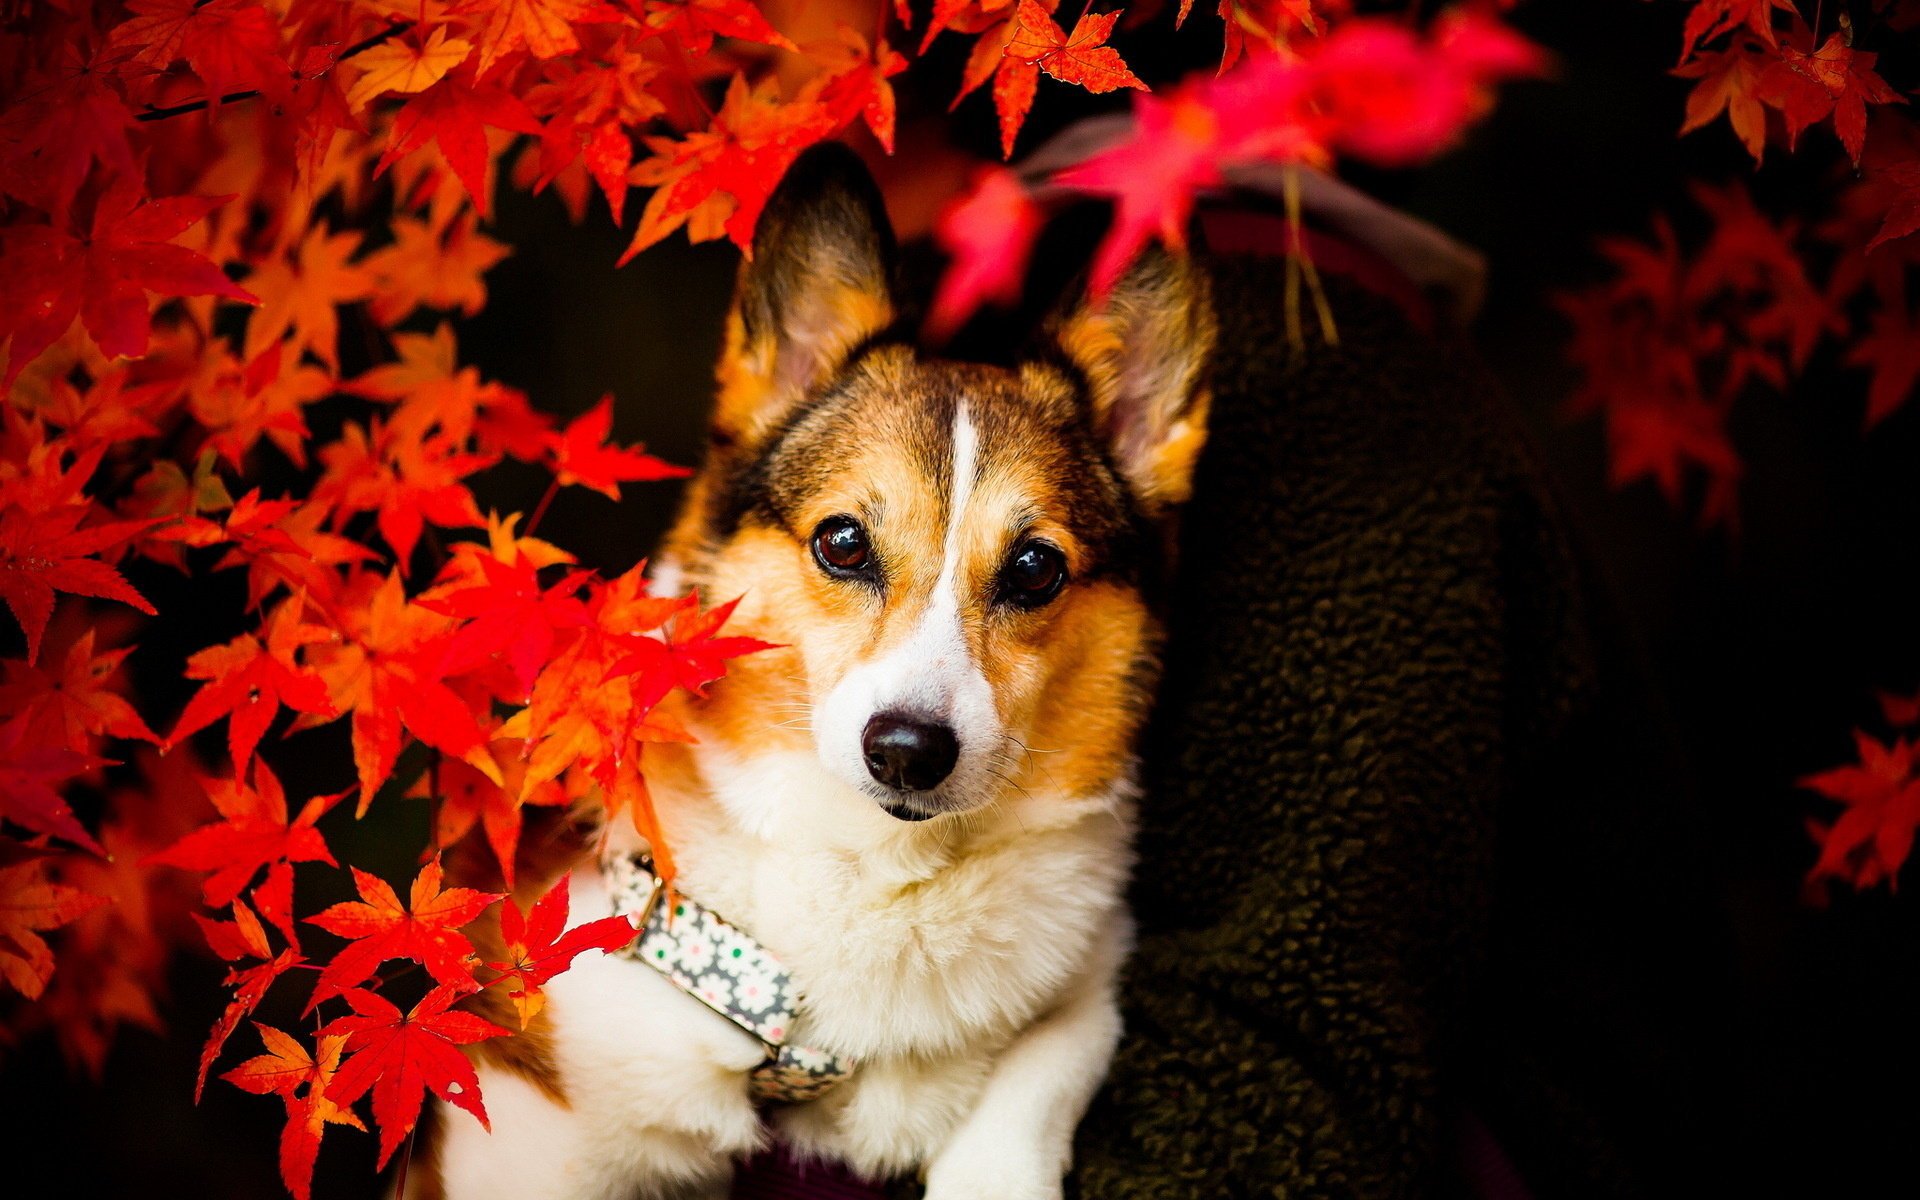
[[723, 967]]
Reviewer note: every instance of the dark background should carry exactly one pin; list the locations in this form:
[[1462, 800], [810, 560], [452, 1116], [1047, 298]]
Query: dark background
[[1764, 650]]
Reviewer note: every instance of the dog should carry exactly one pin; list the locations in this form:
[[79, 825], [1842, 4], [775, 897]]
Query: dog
[[921, 802]]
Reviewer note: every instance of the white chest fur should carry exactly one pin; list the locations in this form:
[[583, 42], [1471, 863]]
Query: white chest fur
[[921, 951]]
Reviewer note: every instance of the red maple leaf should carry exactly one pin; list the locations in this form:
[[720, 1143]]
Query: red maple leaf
[[1902, 181], [379, 928], [1154, 178], [1870, 840], [1014, 82], [454, 114], [249, 678], [73, 704], [989, 234], [510, 615], [104, 276], [30, 904], [544, 28], [1711, 18], [253, 833], [1901, 712], [47, 552], [687, 655], [402, 1057], [1892, 349], [283, 1071], [388, 671], [229, 44], [580, 454], [1834, 81], [405, 478], [857, 87], [64, 119], [540, 946], [30, 778], [697, 22], [280, 542]]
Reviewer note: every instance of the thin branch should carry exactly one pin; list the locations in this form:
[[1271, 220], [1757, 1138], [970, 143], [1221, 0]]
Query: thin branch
[[192, 106]]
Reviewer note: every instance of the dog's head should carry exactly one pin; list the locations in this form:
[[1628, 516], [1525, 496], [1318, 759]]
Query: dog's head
[[953, 555]]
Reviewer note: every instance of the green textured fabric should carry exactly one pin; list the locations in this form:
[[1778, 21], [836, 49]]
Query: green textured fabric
[[1388, 807]]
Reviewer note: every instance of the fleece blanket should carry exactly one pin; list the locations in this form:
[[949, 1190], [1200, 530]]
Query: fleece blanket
[[1413, 893]]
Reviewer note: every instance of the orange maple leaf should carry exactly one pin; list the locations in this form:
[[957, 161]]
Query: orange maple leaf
[[243, 937], [468, 798], [301, 295], [283, 1071], [436, 268], [1082, 57], [543, 27], [715, 181], [404, 65], [1729, 82]]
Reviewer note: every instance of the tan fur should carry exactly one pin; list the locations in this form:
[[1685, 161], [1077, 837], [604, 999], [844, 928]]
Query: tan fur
[[968, 960]]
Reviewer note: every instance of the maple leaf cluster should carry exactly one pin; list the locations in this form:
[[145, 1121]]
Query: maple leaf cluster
[[1373, 89], [235, 236], [1680, 335], [1686, 330]]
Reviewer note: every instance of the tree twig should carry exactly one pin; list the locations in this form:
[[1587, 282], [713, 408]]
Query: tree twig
[[192, 106]]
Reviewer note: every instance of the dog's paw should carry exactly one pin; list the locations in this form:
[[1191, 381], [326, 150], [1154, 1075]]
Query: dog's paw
[[966, 1172]]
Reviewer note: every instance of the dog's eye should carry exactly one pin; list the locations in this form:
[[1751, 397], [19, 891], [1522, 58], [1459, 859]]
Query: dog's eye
[[841, 548], [1033, 575]]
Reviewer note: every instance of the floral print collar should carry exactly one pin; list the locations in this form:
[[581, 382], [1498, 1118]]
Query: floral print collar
[[723, 967]]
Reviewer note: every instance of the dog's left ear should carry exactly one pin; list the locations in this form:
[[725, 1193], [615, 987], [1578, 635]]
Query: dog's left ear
[[819, 282], [1144, 349]]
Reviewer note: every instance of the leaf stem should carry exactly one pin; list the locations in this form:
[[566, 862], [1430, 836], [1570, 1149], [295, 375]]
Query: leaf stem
[[540, 509]]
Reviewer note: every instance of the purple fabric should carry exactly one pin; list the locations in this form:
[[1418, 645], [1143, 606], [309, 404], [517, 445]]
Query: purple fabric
[[774, 1175]]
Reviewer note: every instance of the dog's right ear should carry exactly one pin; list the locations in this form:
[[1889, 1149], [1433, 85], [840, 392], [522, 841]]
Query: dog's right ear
[[818, 284]]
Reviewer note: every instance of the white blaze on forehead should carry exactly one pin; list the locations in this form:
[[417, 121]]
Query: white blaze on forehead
[[931, 673], [966, 450]]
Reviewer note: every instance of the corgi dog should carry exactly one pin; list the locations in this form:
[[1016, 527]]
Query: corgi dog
[[921, 801]]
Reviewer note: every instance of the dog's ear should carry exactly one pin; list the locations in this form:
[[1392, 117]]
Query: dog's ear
[[1144, 349], [819, 282]]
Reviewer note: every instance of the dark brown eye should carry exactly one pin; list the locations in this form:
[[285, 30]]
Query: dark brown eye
[[1033, 575], [841, 548]]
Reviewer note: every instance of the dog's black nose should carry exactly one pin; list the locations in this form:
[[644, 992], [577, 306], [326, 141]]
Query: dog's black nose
[[907, 754]]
